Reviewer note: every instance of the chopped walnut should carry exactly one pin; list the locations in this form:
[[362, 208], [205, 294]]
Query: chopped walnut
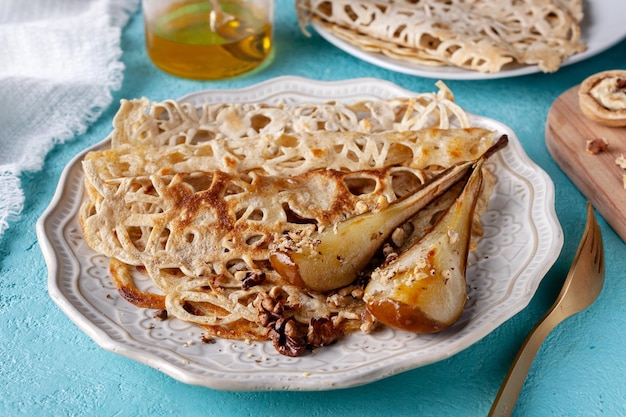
[[251, 279], [595, 146], [295, 241], [397, 236], [381, 203], [287, 335], [368, 321], [360, 207], [322, 332], [357, 293], [160, 315], [391, 257], [402, 233], [278, 293], [269, 309], [388, 249], [343, 292]]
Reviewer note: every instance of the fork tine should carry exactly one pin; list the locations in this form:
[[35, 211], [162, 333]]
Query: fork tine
[[590, 235], [599, 258], [597, 246]]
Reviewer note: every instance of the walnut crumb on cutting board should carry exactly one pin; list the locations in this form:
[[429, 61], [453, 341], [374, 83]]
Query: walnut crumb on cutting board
[[595, 146], [599, 145]]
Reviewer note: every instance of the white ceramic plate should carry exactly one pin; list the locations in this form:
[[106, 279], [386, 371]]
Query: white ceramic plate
[[522, 239], [602, 27]]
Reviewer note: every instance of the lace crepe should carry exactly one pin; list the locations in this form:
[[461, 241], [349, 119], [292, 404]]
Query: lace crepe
[[478, 35], [196, 197]]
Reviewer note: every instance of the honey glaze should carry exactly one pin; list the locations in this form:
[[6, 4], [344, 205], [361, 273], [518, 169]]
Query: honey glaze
[[181, 41], [402, 316]]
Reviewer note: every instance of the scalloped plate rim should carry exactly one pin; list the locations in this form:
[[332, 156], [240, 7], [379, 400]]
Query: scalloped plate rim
[[176, 366]]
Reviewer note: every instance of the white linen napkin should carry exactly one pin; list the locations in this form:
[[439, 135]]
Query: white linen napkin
[[59, 63]]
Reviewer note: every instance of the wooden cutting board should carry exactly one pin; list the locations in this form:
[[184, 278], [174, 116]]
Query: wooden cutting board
[[598, 177]]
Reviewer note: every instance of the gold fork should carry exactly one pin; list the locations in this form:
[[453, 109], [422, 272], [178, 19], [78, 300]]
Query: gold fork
[[581, 288]]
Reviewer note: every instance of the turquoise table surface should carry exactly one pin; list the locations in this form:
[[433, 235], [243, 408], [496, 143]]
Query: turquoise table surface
[[49, 367]]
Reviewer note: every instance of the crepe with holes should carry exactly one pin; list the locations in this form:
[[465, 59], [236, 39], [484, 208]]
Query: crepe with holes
[[195, 202], [479, 35]]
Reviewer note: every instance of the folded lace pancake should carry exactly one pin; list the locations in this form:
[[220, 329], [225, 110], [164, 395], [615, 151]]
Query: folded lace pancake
[[284, 154], [167, 123], [203, 237], [479, 35]]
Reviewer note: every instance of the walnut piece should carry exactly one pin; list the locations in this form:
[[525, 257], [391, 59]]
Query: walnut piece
[[160, 315], [287, 335], [252, 278], [596, 146], [322, 332]]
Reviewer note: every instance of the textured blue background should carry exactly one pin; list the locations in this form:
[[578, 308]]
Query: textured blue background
[[49, 367]]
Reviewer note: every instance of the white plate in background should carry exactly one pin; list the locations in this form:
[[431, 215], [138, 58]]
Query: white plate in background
[[603, 26]]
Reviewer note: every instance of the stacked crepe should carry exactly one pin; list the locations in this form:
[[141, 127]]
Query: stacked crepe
[[195, 198], [479, 35]]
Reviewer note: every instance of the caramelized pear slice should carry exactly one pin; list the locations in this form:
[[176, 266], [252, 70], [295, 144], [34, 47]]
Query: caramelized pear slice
[[332, 258], [424, 289]]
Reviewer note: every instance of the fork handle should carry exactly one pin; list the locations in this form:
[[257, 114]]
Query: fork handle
[[516, 376]]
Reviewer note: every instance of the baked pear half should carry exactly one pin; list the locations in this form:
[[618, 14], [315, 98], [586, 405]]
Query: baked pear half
[[332, 258], [424, 289]]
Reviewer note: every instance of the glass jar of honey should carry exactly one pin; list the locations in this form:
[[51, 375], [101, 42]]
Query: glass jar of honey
[[208, 39]]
